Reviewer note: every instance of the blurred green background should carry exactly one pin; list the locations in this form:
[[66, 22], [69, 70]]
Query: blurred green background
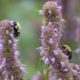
[[26, 13]]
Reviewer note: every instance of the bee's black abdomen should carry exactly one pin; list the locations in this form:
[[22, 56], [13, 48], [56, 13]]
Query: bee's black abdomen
[[16, 34], [69, 54]]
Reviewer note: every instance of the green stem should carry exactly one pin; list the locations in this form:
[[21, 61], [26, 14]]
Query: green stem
[[47, 72]]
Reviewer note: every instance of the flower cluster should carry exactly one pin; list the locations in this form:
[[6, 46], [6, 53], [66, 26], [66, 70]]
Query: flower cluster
[[10, 66], [59, 66]]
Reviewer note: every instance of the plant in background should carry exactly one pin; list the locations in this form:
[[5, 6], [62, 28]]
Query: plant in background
[[10, 65], [58, 66], [78, 37]]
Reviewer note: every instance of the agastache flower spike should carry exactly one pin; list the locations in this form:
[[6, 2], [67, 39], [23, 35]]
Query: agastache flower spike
[[59, 66], [10, 65]]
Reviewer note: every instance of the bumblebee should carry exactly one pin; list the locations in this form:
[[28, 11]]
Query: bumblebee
[[16, 28], [67, 50]]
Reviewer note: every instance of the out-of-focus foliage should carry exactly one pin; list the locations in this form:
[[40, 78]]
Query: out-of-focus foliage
[[26, 13]]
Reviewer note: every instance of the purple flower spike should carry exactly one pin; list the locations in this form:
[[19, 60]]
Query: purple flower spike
[[58, 64], [10, 66]]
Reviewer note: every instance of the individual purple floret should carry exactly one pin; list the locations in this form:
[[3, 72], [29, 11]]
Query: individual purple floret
[[10, 65], [37, 76]]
